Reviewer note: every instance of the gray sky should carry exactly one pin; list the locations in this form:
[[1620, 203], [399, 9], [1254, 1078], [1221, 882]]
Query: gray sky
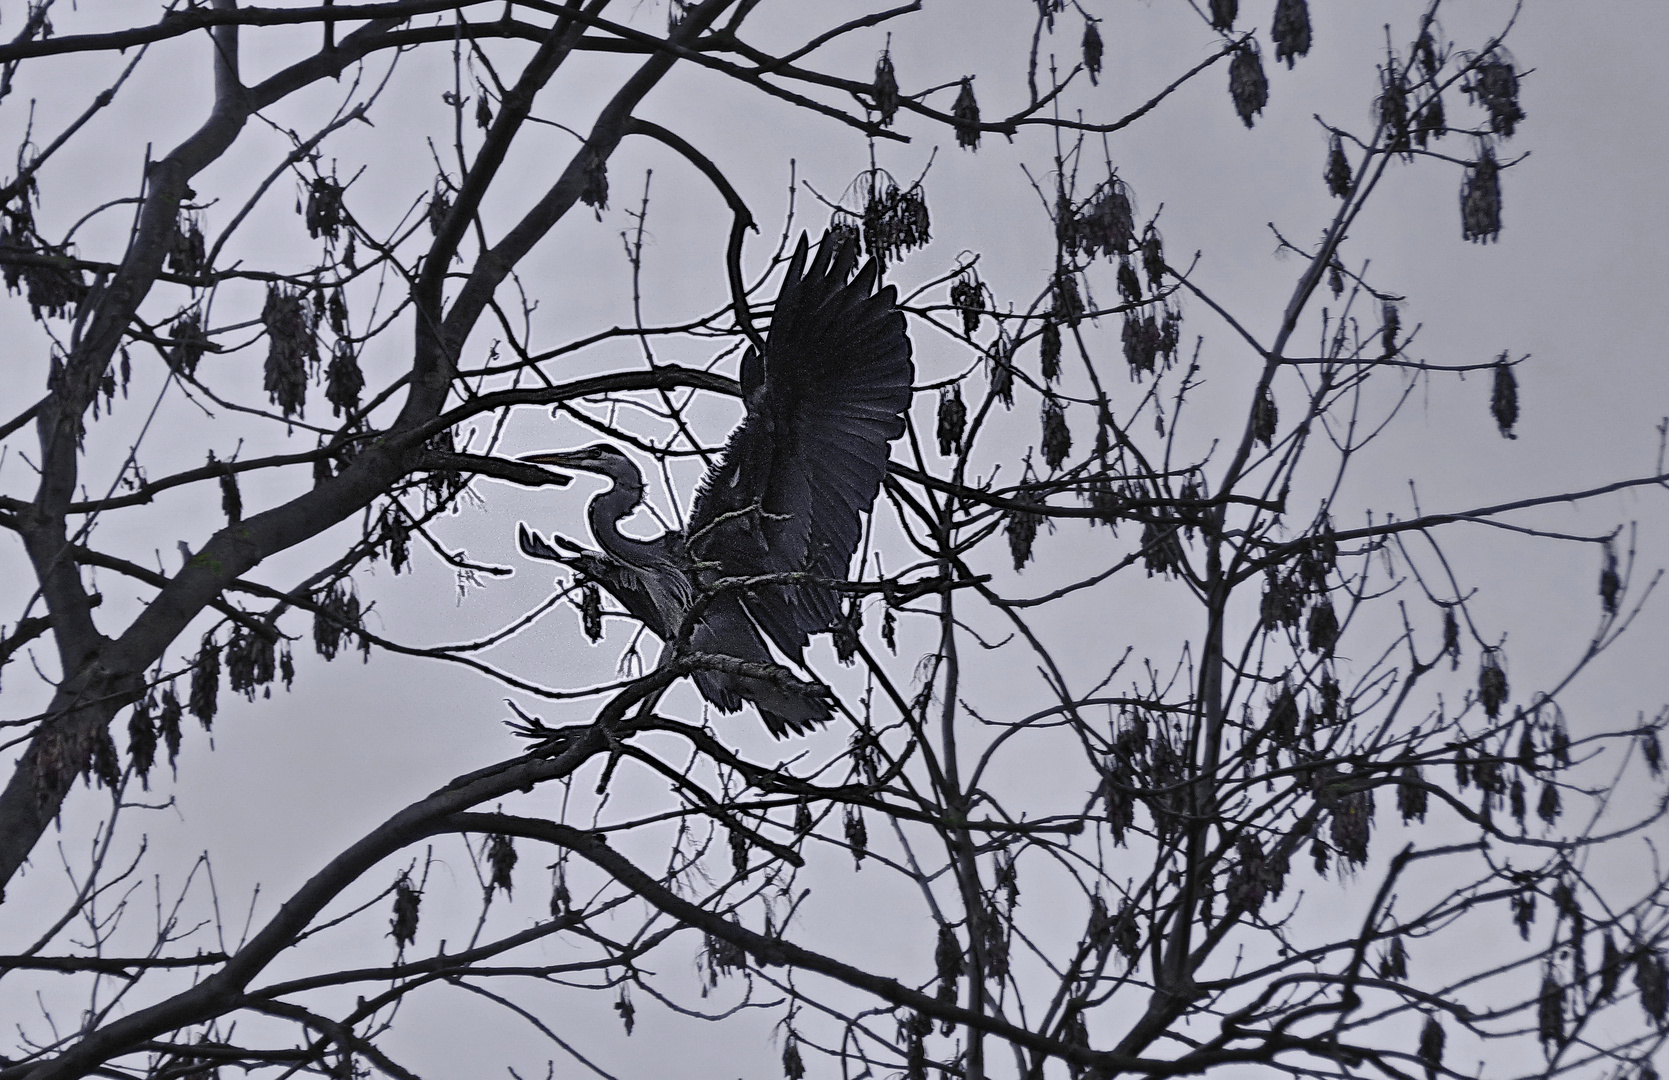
[[1576, 282]]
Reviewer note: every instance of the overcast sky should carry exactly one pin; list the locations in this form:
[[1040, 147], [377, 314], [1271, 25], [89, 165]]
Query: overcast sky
[[1576, 282]]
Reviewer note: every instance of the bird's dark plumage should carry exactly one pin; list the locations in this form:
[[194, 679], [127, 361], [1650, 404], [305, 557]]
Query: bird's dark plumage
[[786, 497]]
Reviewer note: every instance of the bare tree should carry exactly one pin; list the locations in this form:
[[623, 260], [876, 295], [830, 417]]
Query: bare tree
[[1276, 832]]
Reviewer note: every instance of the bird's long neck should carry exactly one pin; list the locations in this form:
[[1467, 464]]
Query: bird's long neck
[[607, 510]]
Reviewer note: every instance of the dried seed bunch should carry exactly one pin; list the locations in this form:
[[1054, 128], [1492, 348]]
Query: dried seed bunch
[[407, 899], [187, 253], [1093, 51], [1021, 527], [1494, 86], [1391, 323], [1392, 108], [251, 661], [1248, 85], [895, 220], [999, 364], [1049, 348], [1429, 121], [965, 113], [1265, 417], [324, 208], [591, 611], [886, 88], [141, 739], [1503, 400], [1142, 337], [1480, 200], [292, 347], [1104, 224], [1290, 30], [1162, 549], [953, 418], [1057, 436], [1610, 581], [501, 859], [204, 700], [336, 619], [189, 342], [965, 297], [1223, 13], [1492, 683], [343, 379], [1338, 171]]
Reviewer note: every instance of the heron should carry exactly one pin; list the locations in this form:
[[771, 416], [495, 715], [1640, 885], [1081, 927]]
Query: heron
[[785, 499]]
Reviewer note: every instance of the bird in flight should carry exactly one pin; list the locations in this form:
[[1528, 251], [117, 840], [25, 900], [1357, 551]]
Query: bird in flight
[[783, 501]]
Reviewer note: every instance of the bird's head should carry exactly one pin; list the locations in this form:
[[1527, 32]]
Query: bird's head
[[599, 458]]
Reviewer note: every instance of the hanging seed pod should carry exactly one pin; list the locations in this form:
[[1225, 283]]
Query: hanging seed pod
[[965, 114], [1494, 85], [1153, 257], [1394, 964], [1282, 604], [965, 297], [953, 418], [1550, 1011], [1283, 717], [1393, 109], [1107, 225], [947, 956], [1492, 683], [1392, 322], [889, 631], [1223, 14], [1515, 797], [1161, 549], [336, 620], [846, 628], [1248, 86], [591, 611], [1524, 912], [1431, 1047], [802, 817], [501, 859], [1651, 977], [324, 208], [793, 1068], [1610, 970], [1000, 370], [1610, 582], [1451, 638], [286, 667], [1480, 200], [1069, 305], [231, 500], [1141, 343], [1652, 752], [1429, 122], [187, 254], [1323, 627], [739, 852], [336, 311], [857, 835], [343, 380], [1337, 174], [1411, 794], [1021, 527], [1170, 335], [1093, 50], [1503, 400], [189, 343], [407, 900], [141, 739], [168, 724], [292, 349], [251, 661], [885, 89], [1335, 278], [1330, 695], [1549, 807], [1057, 436], [1290, 30], [1265, 417], [594, 192], [1526, 757], [1351, 825], [1425, 50], [483, 108], [205, 682], [440, 205], [1558, 747], [1129, 286], [1050, 351], [105, 763]]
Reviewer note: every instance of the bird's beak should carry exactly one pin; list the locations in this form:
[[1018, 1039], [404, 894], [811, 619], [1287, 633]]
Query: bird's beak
[[552, 458]]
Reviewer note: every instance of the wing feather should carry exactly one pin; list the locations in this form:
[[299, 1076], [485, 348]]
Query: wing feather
[[823, 404]]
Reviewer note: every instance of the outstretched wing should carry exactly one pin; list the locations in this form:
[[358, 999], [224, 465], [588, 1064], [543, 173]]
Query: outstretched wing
[[823, 404]]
